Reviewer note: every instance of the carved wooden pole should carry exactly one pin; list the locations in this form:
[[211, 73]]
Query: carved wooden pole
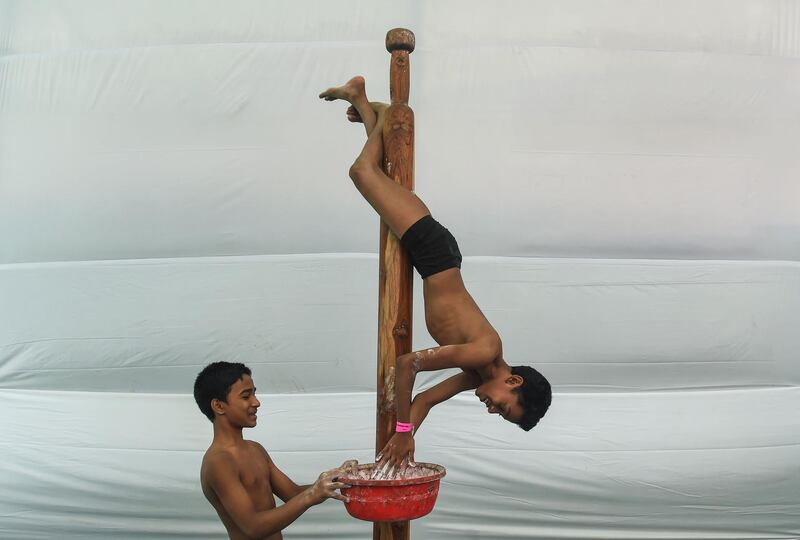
[[395, 274]]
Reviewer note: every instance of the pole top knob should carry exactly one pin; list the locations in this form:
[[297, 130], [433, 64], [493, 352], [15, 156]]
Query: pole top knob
[[399, 39]]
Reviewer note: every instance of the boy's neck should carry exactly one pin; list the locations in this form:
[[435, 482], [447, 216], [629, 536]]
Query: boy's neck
[[226, 434], [498, 370]]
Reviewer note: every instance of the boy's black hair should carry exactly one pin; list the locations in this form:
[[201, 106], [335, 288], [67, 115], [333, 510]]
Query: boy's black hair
[[534, 396], [214, 382]]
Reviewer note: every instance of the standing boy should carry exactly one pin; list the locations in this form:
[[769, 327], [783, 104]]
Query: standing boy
[[238, 476]]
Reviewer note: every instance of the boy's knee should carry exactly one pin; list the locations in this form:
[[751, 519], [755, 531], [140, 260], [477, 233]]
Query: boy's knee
[[360, 168]]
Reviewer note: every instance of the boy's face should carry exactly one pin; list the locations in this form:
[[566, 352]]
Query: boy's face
[[499, 397], [242, 404]]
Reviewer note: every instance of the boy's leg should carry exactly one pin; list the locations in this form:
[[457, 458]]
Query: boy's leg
[[398, 207]]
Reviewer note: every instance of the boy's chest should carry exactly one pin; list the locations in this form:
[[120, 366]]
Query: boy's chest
[[254, 472]]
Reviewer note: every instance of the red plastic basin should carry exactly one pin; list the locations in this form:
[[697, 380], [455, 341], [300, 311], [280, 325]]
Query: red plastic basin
[[400, 499]]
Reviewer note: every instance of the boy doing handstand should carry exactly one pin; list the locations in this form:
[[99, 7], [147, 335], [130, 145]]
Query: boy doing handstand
[[467, 340]]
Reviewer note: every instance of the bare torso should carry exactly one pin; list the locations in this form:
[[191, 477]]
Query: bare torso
[[451, 314], [254, 472]]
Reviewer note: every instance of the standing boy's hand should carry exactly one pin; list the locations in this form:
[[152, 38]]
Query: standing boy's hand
[[350, 468], [395, 456], [327, 485]]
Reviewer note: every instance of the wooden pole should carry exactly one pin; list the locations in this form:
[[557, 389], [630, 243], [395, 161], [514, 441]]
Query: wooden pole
[[394, 267]]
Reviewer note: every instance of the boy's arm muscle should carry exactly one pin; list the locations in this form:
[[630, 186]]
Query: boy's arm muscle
[[425, 401], [467, 356], [224, 480]]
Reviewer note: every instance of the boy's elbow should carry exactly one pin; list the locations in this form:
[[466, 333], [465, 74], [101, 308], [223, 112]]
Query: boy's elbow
[[250, 529], [255, 530], [419, 400], [404, 363], [424, 401], [259, 534]]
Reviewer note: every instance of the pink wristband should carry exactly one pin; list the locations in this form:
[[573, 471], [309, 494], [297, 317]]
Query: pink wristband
[[403, 427]]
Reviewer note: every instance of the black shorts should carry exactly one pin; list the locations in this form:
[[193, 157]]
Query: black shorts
[[432, 248]]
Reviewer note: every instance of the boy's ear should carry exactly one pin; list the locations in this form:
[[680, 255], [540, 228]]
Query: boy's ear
[[515, 380], [217, 406]]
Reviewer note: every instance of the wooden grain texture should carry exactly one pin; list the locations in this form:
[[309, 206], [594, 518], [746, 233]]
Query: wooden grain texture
[[395, 288]]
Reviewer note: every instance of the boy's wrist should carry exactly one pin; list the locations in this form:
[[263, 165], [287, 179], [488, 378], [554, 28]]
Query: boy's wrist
[[404, 427], [310, 497]]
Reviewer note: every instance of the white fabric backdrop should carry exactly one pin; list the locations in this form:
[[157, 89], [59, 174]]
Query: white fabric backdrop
[[622, 177]]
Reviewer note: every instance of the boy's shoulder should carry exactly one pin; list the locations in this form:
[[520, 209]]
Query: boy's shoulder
[[218, 455], [215, 457], [257, 447]]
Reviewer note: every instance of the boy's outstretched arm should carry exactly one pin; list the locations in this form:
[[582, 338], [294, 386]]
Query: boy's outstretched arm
[[224, 480], [469, 356], [285, 488]]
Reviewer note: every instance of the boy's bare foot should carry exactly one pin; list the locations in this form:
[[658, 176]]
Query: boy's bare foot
[[351, 91]]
